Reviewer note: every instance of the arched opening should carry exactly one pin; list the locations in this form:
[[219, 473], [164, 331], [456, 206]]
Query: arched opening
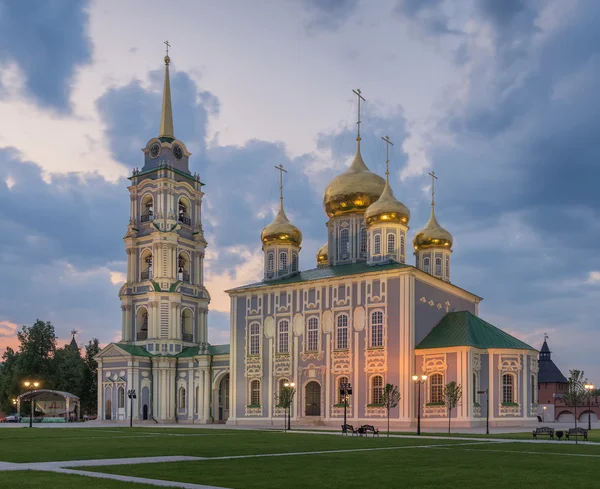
[[294, 262], [436, 388], [224, 399], [377, 390], [121, 397], [146, 265], [183, 211], [377, 244], [187, 325], [376, 329], [145, 412], [147, 209], [363, 241], [283, 260], [312, 399], [141, 323], [438, 266], [107, 404], [586, 415], [391, 244], [344, 242], [426, 264], [183, 267], [182, 398], [566, 417], [508, 389]]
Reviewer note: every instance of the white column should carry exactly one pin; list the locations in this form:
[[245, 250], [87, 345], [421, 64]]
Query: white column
[[100, 390], [207, 388], [491, 386], [124, 335], [201, 397], [356, 391], [270, 378], [233, 387], [328, 375], [524, 385]]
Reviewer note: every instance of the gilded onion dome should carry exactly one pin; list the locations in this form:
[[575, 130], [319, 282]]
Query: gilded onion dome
[[281, 231], [387, 209], [323, 256], [432, 235], [354, 190]]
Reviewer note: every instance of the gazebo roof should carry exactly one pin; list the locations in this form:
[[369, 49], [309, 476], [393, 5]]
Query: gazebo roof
[[45, 394]]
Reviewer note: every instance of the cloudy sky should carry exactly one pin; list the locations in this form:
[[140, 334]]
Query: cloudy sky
[[499, 97]]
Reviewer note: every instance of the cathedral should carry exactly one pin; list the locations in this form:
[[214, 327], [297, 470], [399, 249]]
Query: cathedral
[[362, 316]]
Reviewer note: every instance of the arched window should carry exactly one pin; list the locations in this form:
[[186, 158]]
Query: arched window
[[391, 243], [181, 398], [147, 209], [121, 397], [183, 267], [184, 211], [141, 320], [344, 241], [436, 387], [312, 334], [282, 383], [508, 388], [363, 241], [376, 329], [475, 388], [283, 260], [447, 267], [377, 244], [341, 382], [146, 265], [533, 390], [402, 244], [270, 262], [438, 266], [255, 393], [254, 339], [377, 390], [294, 262], [187, 325], [426, 264], [283, 336], [341, 334]]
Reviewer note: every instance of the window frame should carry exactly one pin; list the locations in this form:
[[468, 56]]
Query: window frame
[[426, 264], [294, 262], [509, 388], [254, 348], [312, 321], [283, 337], [377, 244], [376, 329], [438, 265], [436, 390], [121, 397], [283, 255], [254, 394], [344, 241], [270, 261], [339, 389], [363, 241], [181, 398], [402, 244], [376, 391], [391, 238], [342, 328]]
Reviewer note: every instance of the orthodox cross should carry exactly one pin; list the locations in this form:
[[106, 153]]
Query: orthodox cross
[[281, 170], [387, 159], [74, 332], [546, 336], [168, 46], [433, 179], [360, 97]]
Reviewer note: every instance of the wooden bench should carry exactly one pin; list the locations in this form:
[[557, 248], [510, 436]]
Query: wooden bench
[[577, 432], [349, 428], [544, 430], [364, 430]]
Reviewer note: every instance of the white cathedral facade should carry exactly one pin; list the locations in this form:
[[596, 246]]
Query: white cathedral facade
[[362, 315]]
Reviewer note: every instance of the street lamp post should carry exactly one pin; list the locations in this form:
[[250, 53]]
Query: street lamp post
[[418, 381], [132, 396], [487, 410], [544, 419], [589, 388], [345, 391], [290, 395], [30, 387]]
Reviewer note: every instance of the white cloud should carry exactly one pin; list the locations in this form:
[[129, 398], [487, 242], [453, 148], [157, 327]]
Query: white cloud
[[593, 277]]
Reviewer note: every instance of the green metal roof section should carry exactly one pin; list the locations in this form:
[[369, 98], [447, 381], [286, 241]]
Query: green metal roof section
[[138, 351], [193, 351], [324, 273], [462, 328], [219, 349]]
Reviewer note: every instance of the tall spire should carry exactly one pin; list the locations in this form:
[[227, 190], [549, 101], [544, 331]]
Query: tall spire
[[166, 117]]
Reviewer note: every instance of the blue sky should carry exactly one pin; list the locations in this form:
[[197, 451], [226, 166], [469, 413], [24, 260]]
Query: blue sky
[[499, 98]]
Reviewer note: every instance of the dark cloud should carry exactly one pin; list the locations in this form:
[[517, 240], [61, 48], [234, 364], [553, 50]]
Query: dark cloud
[[328, 14], [48, 42]]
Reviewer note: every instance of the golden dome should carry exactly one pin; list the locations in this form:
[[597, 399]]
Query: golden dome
[[387, 209], [323, 256], [432, 235], [354, 190], [281, 231]]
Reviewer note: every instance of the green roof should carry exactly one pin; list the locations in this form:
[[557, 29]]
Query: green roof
[[218, 349], [192, 351], [463, 328], [138, 351], [326, 272]]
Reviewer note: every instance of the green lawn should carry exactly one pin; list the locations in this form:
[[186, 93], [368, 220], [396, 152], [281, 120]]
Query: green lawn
[[28, 479]]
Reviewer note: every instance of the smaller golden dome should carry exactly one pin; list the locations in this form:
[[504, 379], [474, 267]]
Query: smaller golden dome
[[281, 231], [323, 256], [387, 209], [432, 235]]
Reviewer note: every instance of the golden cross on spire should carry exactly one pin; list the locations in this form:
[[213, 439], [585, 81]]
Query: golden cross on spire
[[281, 171], [360, 97], [387, 158], [433, 179], [168, 46]]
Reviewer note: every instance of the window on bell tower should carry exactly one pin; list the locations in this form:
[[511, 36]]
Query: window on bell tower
[[146, 265], [183, 211], [426, 264], [147, 209], [183, 267]]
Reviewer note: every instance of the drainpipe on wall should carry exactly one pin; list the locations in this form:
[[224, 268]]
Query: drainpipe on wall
[[175, 384], [152, 390], [210, 395]]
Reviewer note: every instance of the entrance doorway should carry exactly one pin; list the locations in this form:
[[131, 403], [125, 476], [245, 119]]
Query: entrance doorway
[[312, 399], [145, 412], [108, 410], [224, 399]]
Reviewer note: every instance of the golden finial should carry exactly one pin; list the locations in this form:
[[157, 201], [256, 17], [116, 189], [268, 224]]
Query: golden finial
[[360, 97], [387, 158], [433, 179], [281, 171]]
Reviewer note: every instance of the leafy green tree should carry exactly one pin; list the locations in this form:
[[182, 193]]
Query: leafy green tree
[[576, 394], [452, 394], [89, 396], [9, 385], [68, 371], [36, 351], [391, 398], [285, 398]]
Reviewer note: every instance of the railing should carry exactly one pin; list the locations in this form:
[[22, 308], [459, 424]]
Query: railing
[[185, 220], [142, 335], [147, 217], [146, 275], [187, 337], [184, 277]]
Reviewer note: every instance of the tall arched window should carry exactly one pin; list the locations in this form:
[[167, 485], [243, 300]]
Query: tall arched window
[[426, 264], [391, 243], [376, 329], [402, 244], [377, 244], [283, 336], [436, 386], [254, 339], [312, 334], [363, 241], [447, 267], [121, 397], [255, 393], [187, 325], [438, 266], [181, 398], [377, 390], [341, 382], [283, 260], [282, 383], [184, 211], [344, 241], [147, 209], [141, 321], [146, 265], [341, 334], [183, 267], [270, 262], [294, 262], [508, 388]]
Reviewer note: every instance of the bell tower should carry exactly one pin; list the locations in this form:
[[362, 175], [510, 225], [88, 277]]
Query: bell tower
[[164, 301]]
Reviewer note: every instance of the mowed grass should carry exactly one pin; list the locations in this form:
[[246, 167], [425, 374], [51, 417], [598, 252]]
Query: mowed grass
[[460, 466], [28, 479]]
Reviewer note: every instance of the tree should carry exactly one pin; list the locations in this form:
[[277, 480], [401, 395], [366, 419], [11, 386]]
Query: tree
[[89, 395], [576, 394], [68, 371], [284, 399], [391, 398], [36, 350], [9, 384], [452, 395]]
